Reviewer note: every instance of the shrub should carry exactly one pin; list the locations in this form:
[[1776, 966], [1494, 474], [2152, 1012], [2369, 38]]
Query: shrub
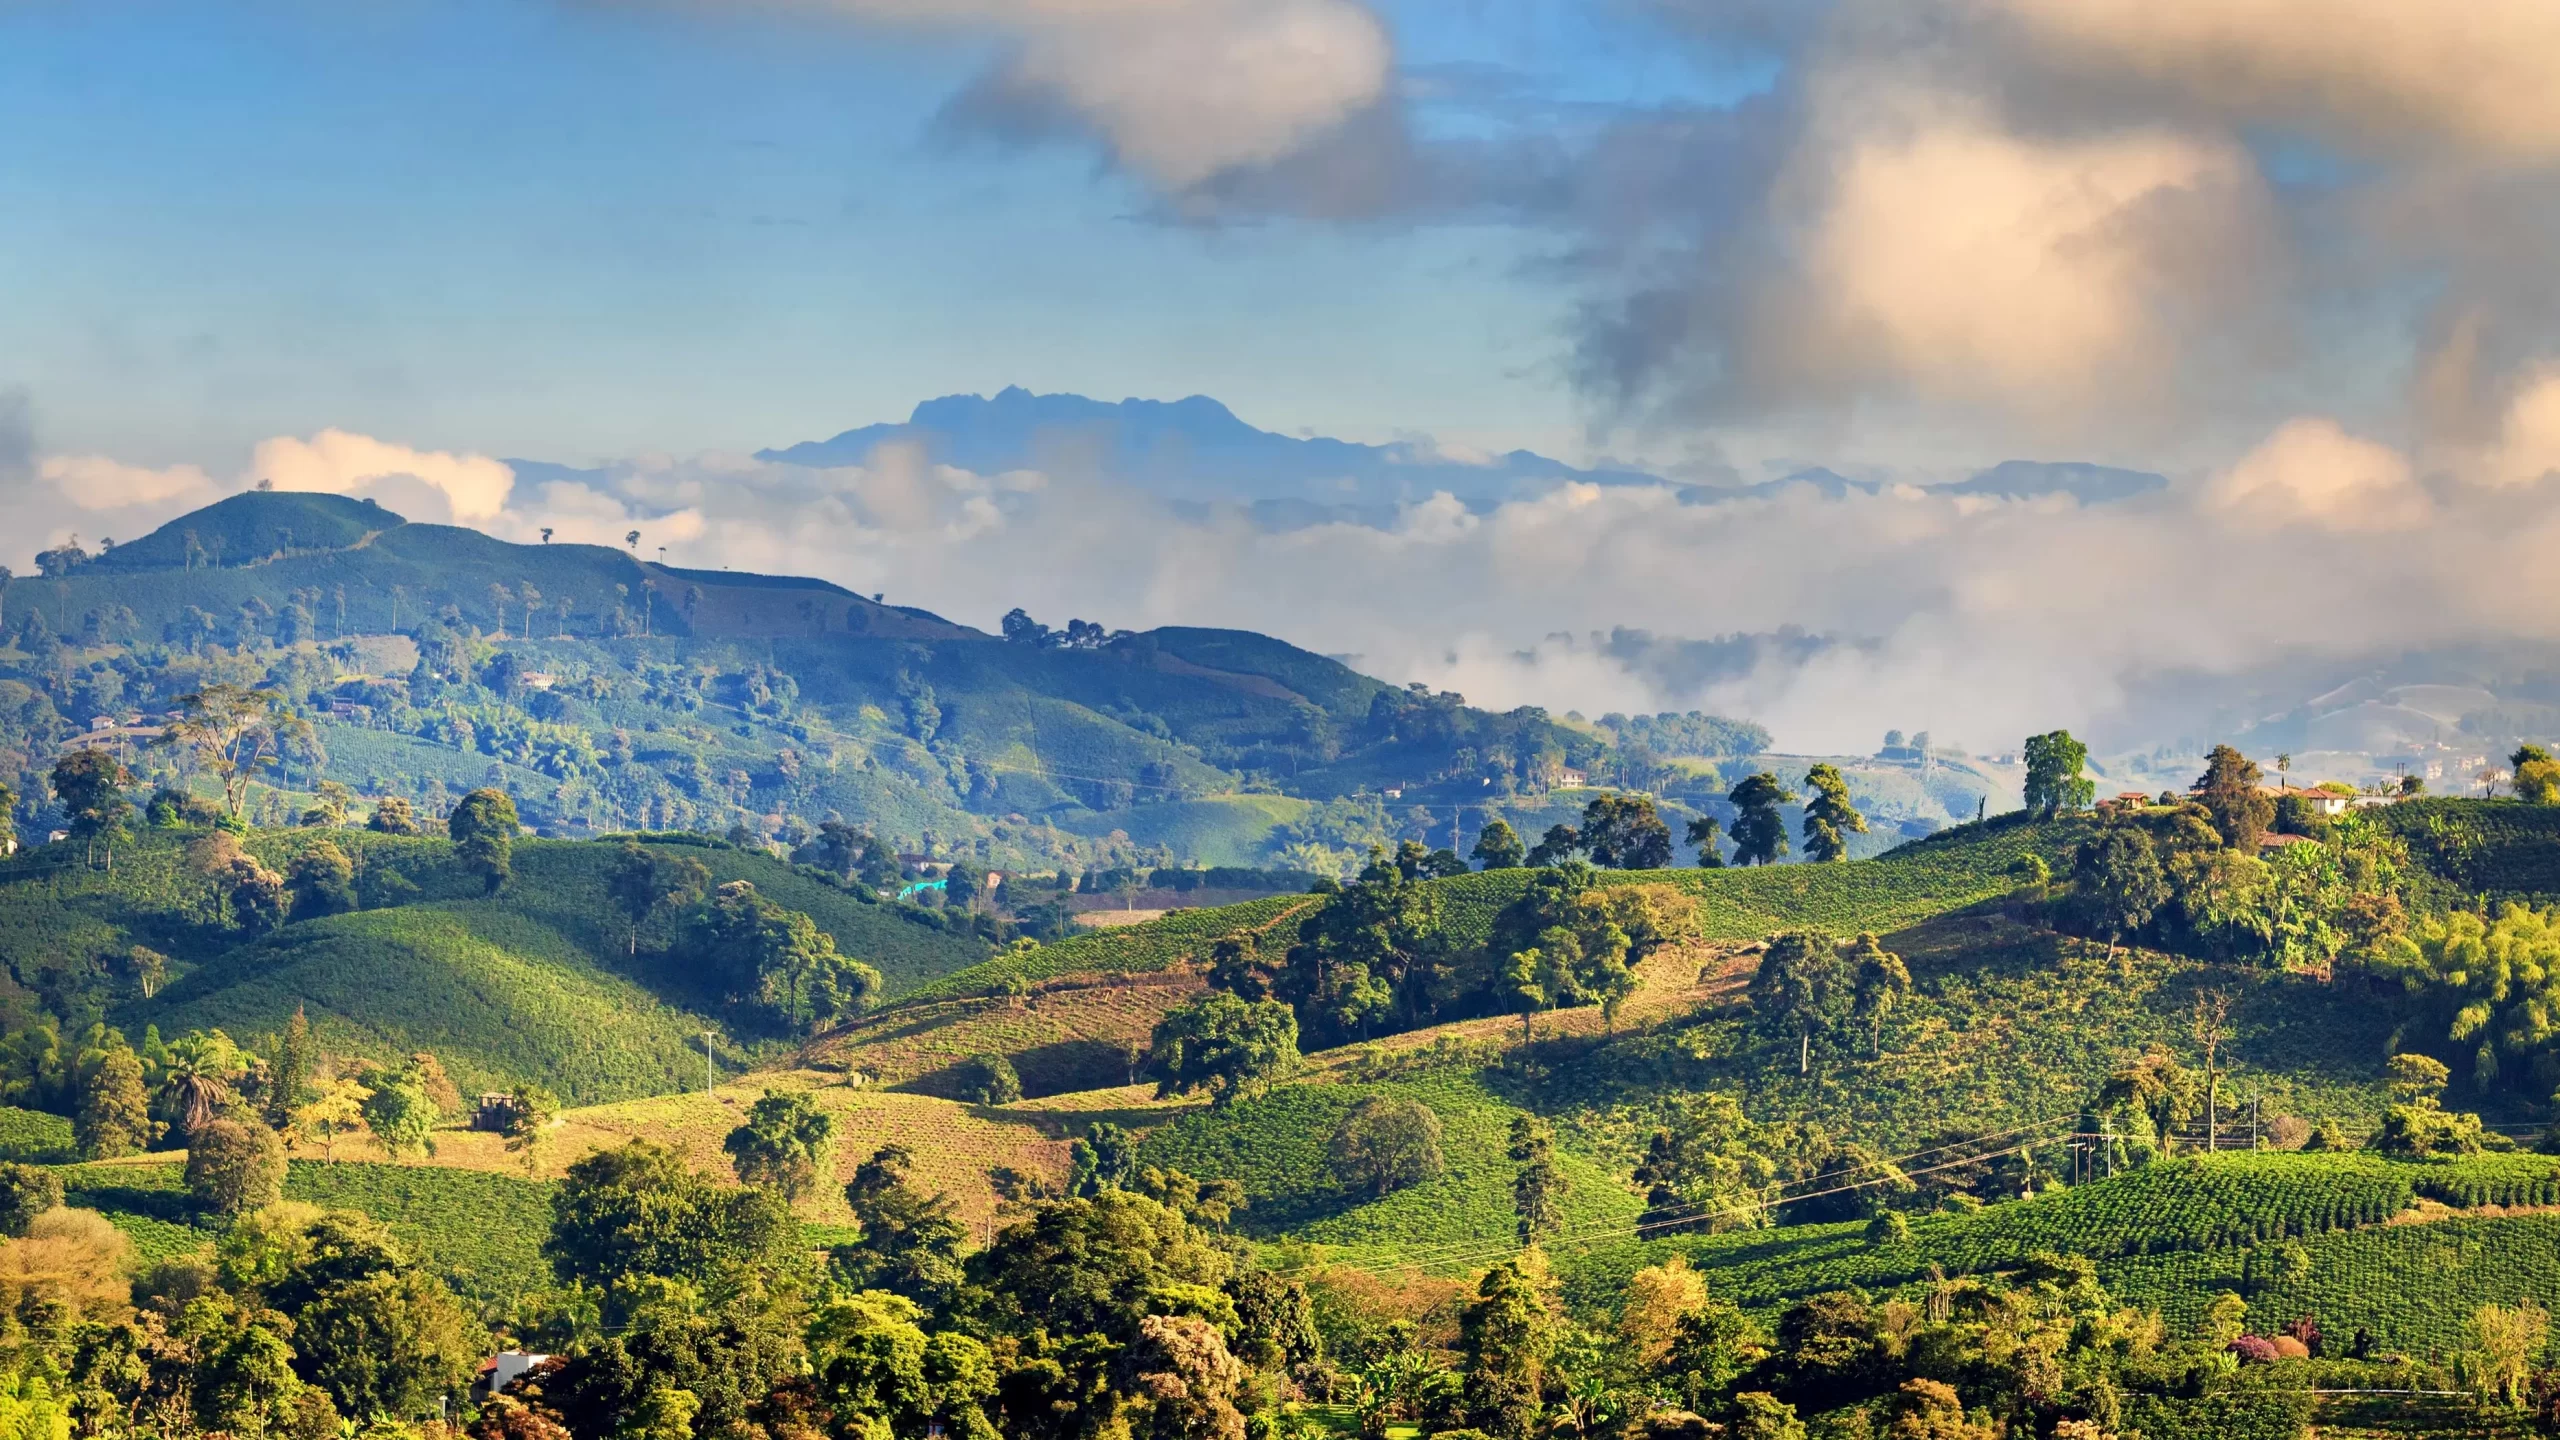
[[988, 1080]]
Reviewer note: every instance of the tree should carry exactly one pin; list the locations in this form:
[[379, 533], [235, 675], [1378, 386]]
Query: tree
[[484, 828], [235, 732], [150, 969], [1508, 1334], [1624, 832], [381, 1336], [115, 1109], [1498, 846], [1829, 817], [1706, 833], [778, 959], [637, 1210], [235, 1166], [786, 1143], [334, 1111], [289, 1071], [1386, 1143], [530, 1111], [641, 881], [90, 784], [401, 1116], [1880, 983], [1759, 830], [321, 881], [259, 901], [2054, 784], [1800, 986], [2230, 791], [26, 1191], [1521, 980], [1226, 1045], [329, 805], [392, 816], [2210, 1023], [2118, 883], [1559, 844], [910, 1240], [2537, 775], [1537, 1186], [197, 1078]]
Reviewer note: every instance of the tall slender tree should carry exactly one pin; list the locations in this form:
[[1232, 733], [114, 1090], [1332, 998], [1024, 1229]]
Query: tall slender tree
[[1759, 829], [1830, 817]]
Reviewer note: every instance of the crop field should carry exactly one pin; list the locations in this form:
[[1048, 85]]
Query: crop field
[[2498, 849], [2169, 1220], [498, 996], [34, 1137], [1158, 944], [1060, 1041], [1276, 1145], [482, 1232], [2006, 1025], [2412, 1286], [1214, 830], [1902, 887]]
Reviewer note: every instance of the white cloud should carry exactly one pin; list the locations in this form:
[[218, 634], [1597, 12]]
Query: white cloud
[[467, 489], [94, 482]]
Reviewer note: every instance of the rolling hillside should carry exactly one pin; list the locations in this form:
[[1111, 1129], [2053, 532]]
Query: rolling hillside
[[531, 985]]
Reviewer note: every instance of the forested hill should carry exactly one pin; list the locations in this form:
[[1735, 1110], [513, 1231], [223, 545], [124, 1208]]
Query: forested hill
[[604, 691]]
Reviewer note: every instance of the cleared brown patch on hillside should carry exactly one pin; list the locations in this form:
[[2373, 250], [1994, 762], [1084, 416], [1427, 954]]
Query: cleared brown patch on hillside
[[1061, 1039], [955, 1146]]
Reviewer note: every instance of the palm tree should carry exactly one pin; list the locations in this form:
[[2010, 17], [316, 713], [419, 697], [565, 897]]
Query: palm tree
[[197, 1078]]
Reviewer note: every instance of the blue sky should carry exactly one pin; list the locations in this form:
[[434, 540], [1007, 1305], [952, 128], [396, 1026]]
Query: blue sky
[[572, 230]]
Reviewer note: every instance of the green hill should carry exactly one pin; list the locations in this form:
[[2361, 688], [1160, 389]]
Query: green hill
[[533, 984]]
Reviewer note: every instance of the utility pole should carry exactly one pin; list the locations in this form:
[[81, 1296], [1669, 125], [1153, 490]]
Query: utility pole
[[707, 1079]]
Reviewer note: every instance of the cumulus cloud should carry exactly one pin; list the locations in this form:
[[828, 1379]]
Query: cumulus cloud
[[2528, 447], [2313, 472], [1179, 90], [1962, 262], [467, 489], [2477, 76]]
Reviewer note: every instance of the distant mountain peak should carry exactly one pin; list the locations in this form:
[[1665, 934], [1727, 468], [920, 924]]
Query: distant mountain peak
[[1197, 452]]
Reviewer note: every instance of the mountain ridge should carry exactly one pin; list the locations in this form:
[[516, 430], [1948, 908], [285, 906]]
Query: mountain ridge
[[1198, 451]]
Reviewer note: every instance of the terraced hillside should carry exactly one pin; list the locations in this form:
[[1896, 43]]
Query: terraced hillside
[[2403, 1249]]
